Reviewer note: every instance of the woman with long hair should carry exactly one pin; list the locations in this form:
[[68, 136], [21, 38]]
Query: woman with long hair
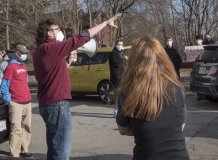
[[152, 104]]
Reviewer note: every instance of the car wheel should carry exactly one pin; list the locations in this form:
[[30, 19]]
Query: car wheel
[[105, 91], [211, 99]]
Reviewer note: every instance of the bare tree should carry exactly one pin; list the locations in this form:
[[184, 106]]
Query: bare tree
[[120, 7], [7, 26], [183, 19]]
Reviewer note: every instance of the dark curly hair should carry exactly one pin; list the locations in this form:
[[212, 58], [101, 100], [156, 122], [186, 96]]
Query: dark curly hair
[[118, 40], [42, 31]]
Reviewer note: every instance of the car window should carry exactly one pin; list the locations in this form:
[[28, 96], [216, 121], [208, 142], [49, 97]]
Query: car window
[[209, 56], [82, 58], [100, 58]]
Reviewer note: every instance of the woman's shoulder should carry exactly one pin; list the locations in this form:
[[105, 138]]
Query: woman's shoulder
[[174, 89], [175, 94]]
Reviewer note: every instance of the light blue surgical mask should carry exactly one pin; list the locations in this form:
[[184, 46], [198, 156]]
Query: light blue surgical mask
[[23, 57]]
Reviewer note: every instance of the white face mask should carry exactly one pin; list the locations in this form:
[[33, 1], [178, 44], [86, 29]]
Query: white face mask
[[60, 36], [23, 57], [199, 42], [169, 43], [119, 47]]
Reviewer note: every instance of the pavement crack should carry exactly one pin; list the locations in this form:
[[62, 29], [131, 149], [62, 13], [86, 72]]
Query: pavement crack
[[201, 128]]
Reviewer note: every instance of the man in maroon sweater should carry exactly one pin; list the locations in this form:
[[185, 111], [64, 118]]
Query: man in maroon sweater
[[53, 82]]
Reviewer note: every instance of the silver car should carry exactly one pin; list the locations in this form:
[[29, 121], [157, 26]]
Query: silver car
[[204, 77]]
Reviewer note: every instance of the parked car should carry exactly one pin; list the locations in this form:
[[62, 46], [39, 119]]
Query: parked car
[[4, 122], [93, 79], [204, 77]]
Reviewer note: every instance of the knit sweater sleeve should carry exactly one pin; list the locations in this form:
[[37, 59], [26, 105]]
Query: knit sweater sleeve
[[62, 49]]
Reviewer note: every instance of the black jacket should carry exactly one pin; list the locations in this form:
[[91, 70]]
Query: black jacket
[[208, 42], [174, 56], [115, 60]]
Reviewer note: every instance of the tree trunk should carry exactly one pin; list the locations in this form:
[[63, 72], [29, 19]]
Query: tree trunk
[[90, 12], [174, 25], [111, 30], [7, 26], [75, 17]]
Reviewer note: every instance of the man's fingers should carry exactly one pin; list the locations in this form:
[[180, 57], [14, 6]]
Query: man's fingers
[[115, 17], [114, 26], [118, 15], [111, 21]]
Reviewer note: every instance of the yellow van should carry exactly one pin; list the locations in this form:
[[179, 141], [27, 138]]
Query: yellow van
[[93, 79]]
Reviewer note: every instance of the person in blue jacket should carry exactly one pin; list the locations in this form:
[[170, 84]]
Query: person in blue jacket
[[15, 91]]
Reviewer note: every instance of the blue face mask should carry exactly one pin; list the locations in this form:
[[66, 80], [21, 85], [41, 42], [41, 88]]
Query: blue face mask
[[23, 57]]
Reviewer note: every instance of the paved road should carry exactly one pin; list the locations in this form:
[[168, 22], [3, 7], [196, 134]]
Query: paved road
[[95, 134], [201, 131]]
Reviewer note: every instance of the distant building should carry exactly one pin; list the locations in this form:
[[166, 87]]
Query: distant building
[[103, 37]]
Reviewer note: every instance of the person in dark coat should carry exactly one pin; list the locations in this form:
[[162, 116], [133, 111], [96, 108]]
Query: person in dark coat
[[199, 42], [208, 39], [122, 68], [174, 55], [115, 59], [199, 39]]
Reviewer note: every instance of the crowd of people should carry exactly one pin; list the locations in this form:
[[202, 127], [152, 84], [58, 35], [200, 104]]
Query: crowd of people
[[149, 98]]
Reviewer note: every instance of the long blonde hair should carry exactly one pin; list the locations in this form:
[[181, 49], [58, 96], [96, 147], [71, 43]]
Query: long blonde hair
[[146, 82]]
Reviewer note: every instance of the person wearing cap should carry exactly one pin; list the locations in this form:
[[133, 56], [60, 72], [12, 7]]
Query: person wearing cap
[[3, 62], [15, 91], [54, 84]]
